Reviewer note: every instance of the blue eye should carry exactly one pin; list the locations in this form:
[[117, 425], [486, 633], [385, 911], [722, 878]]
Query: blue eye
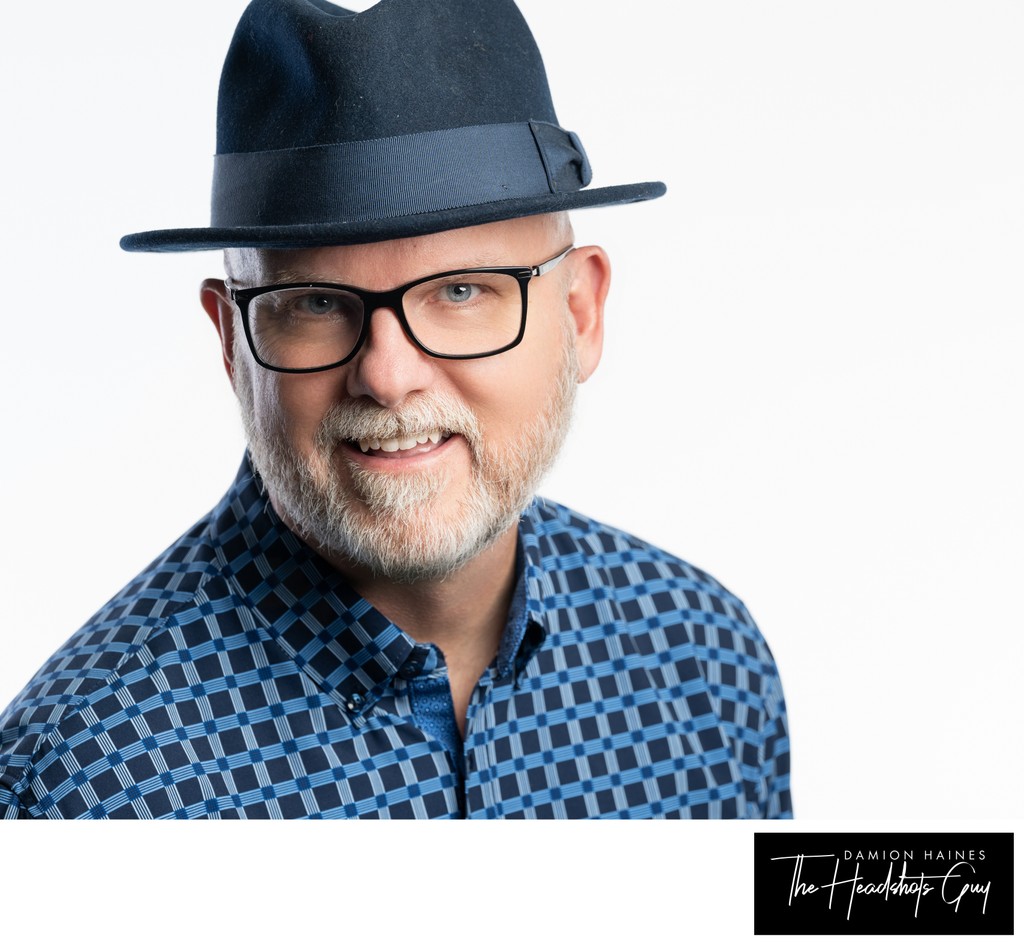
[[318, 304], [460, 292]]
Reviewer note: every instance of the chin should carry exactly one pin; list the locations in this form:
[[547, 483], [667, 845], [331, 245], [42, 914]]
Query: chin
[[425, 540]]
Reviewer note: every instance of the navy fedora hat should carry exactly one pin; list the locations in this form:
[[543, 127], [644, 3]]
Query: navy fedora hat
[[415, 116]]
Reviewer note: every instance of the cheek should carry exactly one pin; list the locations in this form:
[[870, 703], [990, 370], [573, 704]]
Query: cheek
[[509, 391], [293, 405]]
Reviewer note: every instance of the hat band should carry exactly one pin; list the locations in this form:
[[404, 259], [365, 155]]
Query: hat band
[[397, 176]]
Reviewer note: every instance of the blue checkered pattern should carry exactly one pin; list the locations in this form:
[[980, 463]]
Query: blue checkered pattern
[[239, 676]]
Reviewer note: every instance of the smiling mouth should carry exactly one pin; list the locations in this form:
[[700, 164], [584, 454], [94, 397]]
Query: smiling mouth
[[400, 447]]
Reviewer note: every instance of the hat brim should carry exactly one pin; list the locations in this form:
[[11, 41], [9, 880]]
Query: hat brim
[[343, 233]]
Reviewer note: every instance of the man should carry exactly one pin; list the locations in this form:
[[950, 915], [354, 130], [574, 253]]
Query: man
[[379, 620]]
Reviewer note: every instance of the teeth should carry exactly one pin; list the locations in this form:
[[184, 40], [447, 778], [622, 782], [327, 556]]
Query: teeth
[[400, 443]]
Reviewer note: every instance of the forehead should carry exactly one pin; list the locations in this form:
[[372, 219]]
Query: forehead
[[524, 241]]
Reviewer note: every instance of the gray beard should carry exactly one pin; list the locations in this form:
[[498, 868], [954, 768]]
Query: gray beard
[[396, 524]]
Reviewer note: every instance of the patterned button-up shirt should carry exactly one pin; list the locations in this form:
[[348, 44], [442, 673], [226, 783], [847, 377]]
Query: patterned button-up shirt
[[240, 676]]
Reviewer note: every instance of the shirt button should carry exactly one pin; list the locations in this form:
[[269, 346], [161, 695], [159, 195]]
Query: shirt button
[[355, 702], [410, 669]]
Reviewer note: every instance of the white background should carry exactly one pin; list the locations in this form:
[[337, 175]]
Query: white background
[[811, 386]]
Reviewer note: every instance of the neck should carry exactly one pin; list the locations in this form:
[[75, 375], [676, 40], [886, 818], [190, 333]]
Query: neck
[[464, 613]]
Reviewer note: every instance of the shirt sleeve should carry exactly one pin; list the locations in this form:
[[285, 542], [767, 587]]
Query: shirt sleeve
[[773, 754], [11, 807]]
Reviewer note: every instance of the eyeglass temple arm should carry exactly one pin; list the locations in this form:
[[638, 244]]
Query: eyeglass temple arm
[[550, 264]]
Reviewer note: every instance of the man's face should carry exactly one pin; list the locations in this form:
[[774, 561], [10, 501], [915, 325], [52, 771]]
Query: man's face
[[422, 511]]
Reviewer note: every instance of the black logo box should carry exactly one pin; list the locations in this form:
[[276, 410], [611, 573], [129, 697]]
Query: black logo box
[[883, 883]]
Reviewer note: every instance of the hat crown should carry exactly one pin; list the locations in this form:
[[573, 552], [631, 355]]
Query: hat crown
[[410, 118], [301, 73]]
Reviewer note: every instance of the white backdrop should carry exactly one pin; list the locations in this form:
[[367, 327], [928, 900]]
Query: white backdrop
[[811, 385]]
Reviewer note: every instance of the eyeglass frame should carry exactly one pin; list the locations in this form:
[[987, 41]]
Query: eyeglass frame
[[392, 299]]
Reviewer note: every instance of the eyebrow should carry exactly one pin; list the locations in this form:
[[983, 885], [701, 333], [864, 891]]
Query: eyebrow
[[289, 275]]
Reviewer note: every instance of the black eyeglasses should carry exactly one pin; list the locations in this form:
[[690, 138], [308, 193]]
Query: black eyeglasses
[[300, 327]]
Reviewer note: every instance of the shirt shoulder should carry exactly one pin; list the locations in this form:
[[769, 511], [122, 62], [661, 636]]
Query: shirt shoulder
[[170, 586], [678, 627], [582, 553]]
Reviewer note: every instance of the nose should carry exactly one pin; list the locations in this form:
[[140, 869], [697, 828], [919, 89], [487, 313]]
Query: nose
[[389, 366]]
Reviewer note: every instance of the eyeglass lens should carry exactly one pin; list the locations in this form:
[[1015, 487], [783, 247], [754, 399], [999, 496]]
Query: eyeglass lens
[[463, 314]]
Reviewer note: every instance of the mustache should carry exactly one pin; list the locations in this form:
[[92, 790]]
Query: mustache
[[363, 419]]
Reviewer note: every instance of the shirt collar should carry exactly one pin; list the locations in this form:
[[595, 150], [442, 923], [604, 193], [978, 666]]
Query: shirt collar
[[527, 627], [336, 637]]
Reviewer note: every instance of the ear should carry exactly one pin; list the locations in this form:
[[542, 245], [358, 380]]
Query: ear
[[588, 289], [216, 299]]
